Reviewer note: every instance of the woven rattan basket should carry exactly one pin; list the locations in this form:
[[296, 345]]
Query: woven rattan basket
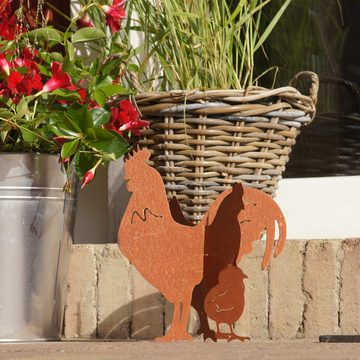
[[204, 141]]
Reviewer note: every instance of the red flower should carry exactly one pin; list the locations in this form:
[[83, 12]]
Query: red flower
[[85, 22], [28, 54], [60, 140], [115, 14], [4, 91], [82, 92], [8, 27], [5, 7], [14, 80], [4, 64], [20, 84], [125, 118], [26, 60], [59, 79], [92, 104]]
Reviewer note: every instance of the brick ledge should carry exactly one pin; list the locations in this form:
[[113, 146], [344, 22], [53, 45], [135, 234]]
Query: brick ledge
[[313, 288]]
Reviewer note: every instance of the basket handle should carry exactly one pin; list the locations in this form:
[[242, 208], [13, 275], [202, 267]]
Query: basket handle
[[314, 80]]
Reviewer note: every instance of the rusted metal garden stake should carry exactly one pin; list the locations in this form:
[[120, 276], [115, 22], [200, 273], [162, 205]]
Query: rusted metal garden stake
[[177, 256]]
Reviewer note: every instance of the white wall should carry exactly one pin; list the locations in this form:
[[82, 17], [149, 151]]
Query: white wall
[[321, 208]]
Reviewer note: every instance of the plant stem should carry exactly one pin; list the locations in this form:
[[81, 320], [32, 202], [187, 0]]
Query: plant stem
[[22, 127]]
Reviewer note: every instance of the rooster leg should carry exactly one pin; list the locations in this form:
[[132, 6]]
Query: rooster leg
[[198, 303], [182, 333], [204, 328], [178, 326], [171, 335]]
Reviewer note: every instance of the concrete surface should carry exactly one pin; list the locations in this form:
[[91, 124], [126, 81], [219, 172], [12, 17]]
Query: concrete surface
[[196, 350], [311, 289]]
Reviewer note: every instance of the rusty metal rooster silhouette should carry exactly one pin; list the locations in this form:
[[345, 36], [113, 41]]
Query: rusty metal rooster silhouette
[[177, 256]]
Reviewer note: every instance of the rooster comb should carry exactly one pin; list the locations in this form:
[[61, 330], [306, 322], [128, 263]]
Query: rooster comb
[[138, 155]]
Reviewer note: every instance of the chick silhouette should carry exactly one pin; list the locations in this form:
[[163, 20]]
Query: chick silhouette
[[225, 302]]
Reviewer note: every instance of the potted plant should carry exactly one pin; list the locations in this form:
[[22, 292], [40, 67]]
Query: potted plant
[[211, 123], [58, 109]]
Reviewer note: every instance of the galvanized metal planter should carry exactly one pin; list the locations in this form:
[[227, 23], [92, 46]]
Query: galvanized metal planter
[[36, 222]]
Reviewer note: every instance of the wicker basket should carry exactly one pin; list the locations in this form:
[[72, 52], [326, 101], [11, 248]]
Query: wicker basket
[[204, 141]]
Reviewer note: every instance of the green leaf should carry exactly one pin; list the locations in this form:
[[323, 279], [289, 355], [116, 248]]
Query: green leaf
[[81, 116], [63, 132], [6, 114], [55, 117], [83, 163], [70, 50], [272, 24], [45, 33], [7, 45], [56, 56], [5, 126], [104, 135], [27, 135], [100, 116], [88, 34], [69, 148], [3, 135], [94, 67], [102, 82], [110, 66], [109, 144], [133, 67], [90, 134], [21, 108], [100, 97], [113, 89], [185, 14], [69, 67], [105, 89], [65, 93], [72, 125], [44, 70]]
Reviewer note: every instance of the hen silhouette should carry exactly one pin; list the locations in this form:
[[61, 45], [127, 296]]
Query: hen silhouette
[[177, 256]]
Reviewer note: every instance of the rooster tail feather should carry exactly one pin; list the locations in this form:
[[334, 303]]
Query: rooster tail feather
[[270, 237], [282, 232], [177, 213]]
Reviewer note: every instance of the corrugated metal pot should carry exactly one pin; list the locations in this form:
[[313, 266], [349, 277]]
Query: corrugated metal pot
[[36, 223]]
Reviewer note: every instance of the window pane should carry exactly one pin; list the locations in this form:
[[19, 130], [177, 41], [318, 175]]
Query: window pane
[[323, 36]]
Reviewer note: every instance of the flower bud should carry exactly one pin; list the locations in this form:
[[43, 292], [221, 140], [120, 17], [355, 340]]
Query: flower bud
[[88, 177], [4, 64], [85, 22]]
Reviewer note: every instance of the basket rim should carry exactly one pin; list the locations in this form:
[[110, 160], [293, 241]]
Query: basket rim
[[253, 100]]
